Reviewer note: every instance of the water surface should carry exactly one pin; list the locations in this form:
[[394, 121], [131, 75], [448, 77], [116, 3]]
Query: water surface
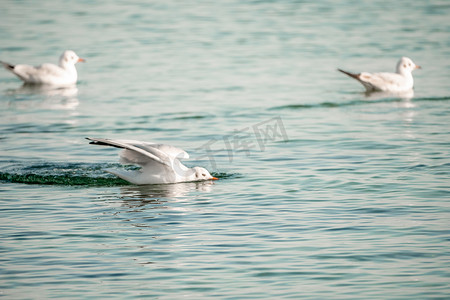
[[324, 192]]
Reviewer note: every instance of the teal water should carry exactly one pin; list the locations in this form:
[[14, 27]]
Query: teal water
[[324, 192]]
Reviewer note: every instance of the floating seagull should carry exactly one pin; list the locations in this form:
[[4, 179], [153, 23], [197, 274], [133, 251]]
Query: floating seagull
[[49, 74], [400, 81], [159, 163]]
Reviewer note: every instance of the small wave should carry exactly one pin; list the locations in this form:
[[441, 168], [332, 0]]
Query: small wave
[[355, 102], [61, 174], [195, 117], [184, 116], [223, 175], [432, 99], [13, 49], [71, 174], [318, 105], [65, 179]]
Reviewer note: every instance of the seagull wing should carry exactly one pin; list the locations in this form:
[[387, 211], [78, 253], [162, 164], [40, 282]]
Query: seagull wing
[[377, 81], [382, 81], [40, 74], [362, 78], [169, 150], [135, 151]]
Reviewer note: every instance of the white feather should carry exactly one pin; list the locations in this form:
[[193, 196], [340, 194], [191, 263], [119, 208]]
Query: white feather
[[64, 74], [159, 163], [400, 81]]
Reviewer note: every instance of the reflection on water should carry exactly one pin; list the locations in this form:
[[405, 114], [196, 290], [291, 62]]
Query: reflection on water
[[377, 95], [55, 98], [157, 196], [46, 90], [156, 191]]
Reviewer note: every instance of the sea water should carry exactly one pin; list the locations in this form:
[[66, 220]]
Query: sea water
[[324, 192]]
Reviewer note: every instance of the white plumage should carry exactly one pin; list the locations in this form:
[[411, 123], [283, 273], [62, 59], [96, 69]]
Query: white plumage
[[159, 163], [400, 81], [64, 74]]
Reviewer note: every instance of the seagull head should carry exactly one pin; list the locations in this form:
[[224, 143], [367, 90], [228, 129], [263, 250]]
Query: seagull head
[[202, 174], [69, 58], [406, 65]]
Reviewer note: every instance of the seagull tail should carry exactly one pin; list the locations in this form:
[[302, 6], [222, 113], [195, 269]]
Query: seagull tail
[[7, 66], [356, 76]]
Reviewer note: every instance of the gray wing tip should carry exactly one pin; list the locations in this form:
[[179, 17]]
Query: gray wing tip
[[7, 65], [92, 140], [353, 75], [123, 145], [342, 71], [97, 141]]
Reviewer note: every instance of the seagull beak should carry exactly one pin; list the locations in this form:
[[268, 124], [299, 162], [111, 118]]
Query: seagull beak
[[81, 59], [418, 67], [214, 178]]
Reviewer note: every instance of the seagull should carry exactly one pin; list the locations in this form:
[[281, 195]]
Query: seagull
[[400, 81], [48, 74], [159, 163]]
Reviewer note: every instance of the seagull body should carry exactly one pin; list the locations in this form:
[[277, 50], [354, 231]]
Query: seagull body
[[49, 74], [159, 163], [400, 81]]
